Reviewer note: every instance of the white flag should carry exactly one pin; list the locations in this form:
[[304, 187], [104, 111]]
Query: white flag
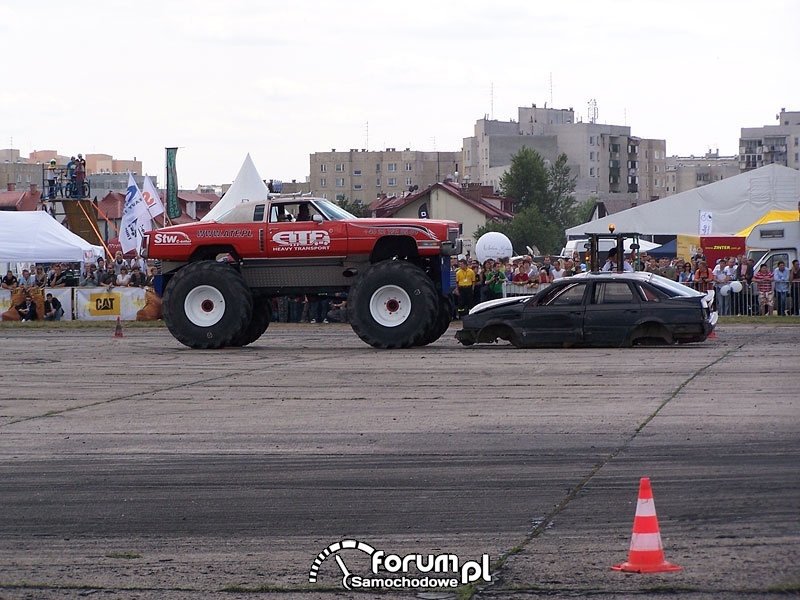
[[706, 222], [151, 198], [135, 218]]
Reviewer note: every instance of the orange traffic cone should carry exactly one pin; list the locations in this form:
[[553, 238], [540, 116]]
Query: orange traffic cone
[[118, 330], [646, 553]]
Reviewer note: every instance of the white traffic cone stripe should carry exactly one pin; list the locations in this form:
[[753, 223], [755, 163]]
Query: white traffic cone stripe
[[646, 508], [646, 542]]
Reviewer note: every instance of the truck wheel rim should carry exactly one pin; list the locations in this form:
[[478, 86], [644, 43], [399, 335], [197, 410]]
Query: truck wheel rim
[[390, 306], [204, 306]]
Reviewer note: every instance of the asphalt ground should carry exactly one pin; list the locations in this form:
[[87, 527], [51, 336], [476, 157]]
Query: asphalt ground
[[134, 467]]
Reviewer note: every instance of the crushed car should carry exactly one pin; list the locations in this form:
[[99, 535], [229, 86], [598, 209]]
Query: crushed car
[[605, 309]]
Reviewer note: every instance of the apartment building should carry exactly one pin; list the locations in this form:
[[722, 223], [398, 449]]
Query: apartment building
[[691, 172], [361, 176], [771, 144], [607, 161]]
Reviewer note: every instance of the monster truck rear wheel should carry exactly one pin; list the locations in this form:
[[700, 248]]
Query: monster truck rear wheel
[[441, 323], [258, 323], [392, 305], [207, 305]]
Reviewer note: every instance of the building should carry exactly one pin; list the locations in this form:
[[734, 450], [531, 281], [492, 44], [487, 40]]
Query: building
[[361, 176], [473, 206], [690, 172], [607, 161], [771, 144]]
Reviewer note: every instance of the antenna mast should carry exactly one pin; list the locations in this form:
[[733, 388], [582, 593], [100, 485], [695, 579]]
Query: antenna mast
[[592, 111], [551, 90]]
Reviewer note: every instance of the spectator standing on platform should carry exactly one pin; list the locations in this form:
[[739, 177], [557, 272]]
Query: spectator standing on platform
[[51, 179], [41, 277], [9, 281], [123, 278], [794, 282], [781, 278], [88, 277], [80, 176], [118, 262], [58, 278], [27, 280], [138, 279]]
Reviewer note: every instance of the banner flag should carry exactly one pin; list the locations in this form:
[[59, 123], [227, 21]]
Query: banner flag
[[151, 198], [135, 218], [706, 222], [173, 208]]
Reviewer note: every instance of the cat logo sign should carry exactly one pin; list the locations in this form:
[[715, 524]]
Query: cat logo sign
[[103, 305]]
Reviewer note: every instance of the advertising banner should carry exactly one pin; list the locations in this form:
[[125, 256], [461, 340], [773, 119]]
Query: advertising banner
[[102, 304]]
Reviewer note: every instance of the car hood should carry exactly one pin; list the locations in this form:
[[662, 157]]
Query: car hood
[[498, 302]]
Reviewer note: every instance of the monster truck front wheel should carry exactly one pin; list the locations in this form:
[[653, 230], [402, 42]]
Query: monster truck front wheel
[[441, 323], [392, 305], [207, 305]]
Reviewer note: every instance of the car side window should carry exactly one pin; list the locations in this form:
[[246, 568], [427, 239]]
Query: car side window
[[258, 213], [571, 295], [613, 292], [648, 294]]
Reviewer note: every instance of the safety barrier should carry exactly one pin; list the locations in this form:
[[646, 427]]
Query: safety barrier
[[91, 303]]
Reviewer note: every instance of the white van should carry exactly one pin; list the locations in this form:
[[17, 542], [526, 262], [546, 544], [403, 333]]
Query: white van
[[770, 243]]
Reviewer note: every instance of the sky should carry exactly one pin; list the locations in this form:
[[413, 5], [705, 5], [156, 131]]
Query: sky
[[282, 80]]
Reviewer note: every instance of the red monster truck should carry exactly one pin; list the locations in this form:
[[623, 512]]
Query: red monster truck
[[218, 277]]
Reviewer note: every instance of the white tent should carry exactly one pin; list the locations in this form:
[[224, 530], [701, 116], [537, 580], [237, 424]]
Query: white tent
[[732, 204], [247, 187], [35, 236]]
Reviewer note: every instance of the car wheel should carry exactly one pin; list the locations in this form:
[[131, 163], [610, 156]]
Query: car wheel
[[651, 334], [393, 305], [442, 322], [207, 304], [259, 322]]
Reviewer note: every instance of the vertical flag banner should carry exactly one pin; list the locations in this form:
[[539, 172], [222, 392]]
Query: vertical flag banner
[[173, 208], [151, 198], [706, 221], [135, 218]]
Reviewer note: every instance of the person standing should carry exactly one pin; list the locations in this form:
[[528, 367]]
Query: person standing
[[763, 280], [794, 283], [465, 280], [781, 278], [494, 280], [80, 176]]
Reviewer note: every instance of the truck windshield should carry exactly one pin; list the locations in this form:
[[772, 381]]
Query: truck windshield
[[332, 211]]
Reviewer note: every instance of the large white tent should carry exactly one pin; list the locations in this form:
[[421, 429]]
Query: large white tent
[[732, 204], [35, 236], [247, 187]]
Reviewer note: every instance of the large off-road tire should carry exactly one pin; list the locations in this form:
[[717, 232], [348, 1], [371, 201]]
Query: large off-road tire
[[207, 305], [258, 323], [442, 322], [393, 305]]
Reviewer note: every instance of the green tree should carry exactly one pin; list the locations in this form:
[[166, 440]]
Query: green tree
[[358, 209], [525, 182], [543, 202]]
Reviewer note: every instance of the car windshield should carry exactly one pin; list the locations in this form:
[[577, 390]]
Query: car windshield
[[332, 212], [673, 288]]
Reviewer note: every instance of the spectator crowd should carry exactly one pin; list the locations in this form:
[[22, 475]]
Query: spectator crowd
[[738, 289]]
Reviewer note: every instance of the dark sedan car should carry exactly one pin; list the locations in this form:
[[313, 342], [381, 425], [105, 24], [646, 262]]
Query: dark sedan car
[[595, 309]]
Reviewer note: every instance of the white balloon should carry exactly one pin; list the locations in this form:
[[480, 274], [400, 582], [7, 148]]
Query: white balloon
[[736, 287], [725, 290], [493, 245]]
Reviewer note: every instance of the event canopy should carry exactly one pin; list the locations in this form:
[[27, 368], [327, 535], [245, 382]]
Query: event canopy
[[247, 187], [35, 236], [729, 204]]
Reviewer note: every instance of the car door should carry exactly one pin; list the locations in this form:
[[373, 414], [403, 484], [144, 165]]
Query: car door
[[557, 316], [298, 230], [613, 311]]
